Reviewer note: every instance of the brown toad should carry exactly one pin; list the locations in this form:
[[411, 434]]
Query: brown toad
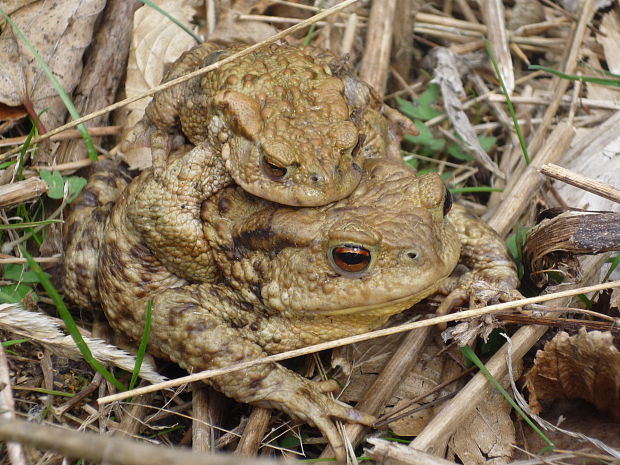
[[277, 118], [276, 278]]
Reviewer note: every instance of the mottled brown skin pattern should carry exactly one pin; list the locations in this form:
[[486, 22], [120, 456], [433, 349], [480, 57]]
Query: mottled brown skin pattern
[[269, 281], [84, 229], [279, 105]]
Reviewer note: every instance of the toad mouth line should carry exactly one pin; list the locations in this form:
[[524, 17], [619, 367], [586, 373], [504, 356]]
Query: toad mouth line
[[384, 307]]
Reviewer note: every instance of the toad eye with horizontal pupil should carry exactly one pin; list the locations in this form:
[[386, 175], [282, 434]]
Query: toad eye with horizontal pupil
[[272, 168], [351, 258], [447, 202]]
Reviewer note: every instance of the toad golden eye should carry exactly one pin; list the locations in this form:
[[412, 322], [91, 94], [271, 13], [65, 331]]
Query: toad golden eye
[[272, 168], [351, 258]]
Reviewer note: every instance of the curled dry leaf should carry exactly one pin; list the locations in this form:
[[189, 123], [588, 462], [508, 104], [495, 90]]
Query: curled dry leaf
[[585, 366], [156, 42], [446, 73], [553, 244], [60, 32]]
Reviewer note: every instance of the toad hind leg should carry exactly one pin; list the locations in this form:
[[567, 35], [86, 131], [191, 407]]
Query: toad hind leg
[[199, 327], [83, 231]]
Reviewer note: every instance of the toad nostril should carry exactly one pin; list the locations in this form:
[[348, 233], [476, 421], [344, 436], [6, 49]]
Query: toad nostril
[[316, 178], [412, 254]]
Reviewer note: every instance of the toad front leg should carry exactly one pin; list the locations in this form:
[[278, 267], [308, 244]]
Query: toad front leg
[[165, 211], [205, 326], [492, 275]]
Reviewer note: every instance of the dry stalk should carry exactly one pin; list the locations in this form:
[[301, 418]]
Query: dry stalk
[[561, 85], [283, 20], [566, 100], [493, 12], [7, 410], [391, 453], [22, 191], [111, 450], [375, 63], [520, 195], [254, 432], [461, 406], [69, 134], [44, 330], [464, 315], [581, 181], [422, 18], [207, 409], [199, 72]]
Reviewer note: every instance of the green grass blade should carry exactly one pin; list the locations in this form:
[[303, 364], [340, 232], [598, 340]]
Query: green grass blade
[[614, 262], [51, 392], [511, 108], [27, 224], [308, 38], [143, 343], [470, 355], [92, 153], [572, 77], [470, 190], [22, 152], [72, 328], [6, 164], [13, 342], [173, 19]]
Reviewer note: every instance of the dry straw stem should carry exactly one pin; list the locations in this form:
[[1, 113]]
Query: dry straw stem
[[9, 259], [204, 413], [464, 315], [460, 407], [523, 190], [113, 451], [452, 416], [375, 63], [580, 181], [199, 72], [21, 191], [254, 432], [70, 134], [566, 100], [561, 85], [46, 331], [392, 453], [7, 411], [493, 12]]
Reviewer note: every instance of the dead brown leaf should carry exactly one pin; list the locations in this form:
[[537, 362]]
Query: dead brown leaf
[[609, 39], [156, 41], [9, 6], [8, 113], [487, 435], [585, 366], [369, 359], [60, 32]]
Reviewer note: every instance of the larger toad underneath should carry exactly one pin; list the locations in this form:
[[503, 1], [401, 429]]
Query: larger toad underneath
[[273, 278]]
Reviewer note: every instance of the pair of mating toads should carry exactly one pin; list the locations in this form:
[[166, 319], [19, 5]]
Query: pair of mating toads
[[289, 221]]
